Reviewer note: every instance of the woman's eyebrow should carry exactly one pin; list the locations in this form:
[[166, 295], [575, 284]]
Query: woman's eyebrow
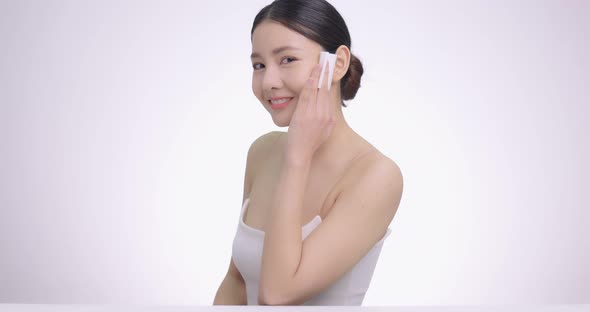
[[276, 51]]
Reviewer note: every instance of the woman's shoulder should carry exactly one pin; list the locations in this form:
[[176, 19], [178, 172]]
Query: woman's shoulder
[[265, 142], [384, 166], [261, 147], [370, 156], [258, 152], [371, 163]]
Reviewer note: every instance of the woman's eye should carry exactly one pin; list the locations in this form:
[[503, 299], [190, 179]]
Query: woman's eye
[[289, 58], [258, 66]]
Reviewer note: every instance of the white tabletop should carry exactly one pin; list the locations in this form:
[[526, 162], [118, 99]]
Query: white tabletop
[[148, 308]]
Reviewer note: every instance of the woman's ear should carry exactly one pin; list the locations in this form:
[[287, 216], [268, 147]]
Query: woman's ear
[[342, 62]]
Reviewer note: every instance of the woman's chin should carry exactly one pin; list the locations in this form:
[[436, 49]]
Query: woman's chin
[[281, 120]]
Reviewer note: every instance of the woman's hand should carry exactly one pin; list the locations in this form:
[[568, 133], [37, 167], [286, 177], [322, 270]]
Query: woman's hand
[[313, 120]]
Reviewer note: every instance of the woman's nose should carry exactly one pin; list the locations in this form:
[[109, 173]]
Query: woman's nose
[[272, 78]]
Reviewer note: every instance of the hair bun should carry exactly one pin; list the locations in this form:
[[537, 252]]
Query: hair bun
[[351, 82]]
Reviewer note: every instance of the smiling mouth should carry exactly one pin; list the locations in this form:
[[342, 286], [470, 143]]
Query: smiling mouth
[[276, 104]]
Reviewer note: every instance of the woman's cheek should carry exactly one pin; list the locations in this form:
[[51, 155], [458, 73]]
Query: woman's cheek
[[295, 76], [300, 81], [256, 87]]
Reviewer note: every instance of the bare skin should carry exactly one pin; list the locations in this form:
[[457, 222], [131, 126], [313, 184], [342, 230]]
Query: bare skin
[[336, 161], [320, 166], [326, 180]]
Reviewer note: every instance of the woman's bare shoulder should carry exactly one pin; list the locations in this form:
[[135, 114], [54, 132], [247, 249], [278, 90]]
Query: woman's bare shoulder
[[261, 148], [371, 160], [379, 162], [258, 152], [264, 143]]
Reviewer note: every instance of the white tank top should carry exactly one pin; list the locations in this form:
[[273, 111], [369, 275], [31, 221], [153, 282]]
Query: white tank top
[[350, 289]]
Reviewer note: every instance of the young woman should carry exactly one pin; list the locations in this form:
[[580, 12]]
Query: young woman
[[318, 199]]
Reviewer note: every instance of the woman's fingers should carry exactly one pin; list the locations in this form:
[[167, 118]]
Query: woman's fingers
[[306, 94], [312, 83]]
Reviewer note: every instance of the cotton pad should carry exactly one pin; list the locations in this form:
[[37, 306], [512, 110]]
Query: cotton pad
[[328, 60]]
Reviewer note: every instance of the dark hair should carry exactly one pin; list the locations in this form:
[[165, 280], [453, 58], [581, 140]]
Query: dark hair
[[319, 21]]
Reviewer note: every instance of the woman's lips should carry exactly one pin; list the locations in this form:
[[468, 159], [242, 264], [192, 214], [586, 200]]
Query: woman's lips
[[281, 105]]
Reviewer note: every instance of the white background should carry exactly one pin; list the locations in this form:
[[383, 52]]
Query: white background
[[125, 126]]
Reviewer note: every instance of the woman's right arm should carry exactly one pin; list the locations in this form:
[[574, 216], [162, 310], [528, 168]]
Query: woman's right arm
[[232, 290]]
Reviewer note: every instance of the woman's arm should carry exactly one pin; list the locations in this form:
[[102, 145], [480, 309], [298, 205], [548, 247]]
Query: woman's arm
[[282, 242], [232, 290], [358, 219]]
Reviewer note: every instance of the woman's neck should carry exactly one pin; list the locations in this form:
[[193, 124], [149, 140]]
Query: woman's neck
[[341, 145]]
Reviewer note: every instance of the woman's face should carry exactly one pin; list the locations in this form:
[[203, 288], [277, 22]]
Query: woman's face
[[282, 61]]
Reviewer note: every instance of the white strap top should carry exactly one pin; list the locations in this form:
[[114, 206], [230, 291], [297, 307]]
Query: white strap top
[[350, 289]]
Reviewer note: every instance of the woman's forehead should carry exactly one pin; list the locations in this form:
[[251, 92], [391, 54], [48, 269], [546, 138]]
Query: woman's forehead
[[270, 36]]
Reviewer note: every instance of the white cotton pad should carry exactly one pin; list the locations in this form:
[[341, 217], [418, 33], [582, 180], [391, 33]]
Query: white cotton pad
[[323, 63], [327, 59]]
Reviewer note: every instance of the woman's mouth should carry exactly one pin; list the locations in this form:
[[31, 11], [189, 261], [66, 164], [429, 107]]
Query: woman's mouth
[[279, 103]]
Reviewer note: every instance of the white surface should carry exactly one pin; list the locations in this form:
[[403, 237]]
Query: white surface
[[127, 308], [124, 128]]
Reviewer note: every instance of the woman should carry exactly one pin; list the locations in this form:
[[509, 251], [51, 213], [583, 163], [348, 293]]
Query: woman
[[318, 199]]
